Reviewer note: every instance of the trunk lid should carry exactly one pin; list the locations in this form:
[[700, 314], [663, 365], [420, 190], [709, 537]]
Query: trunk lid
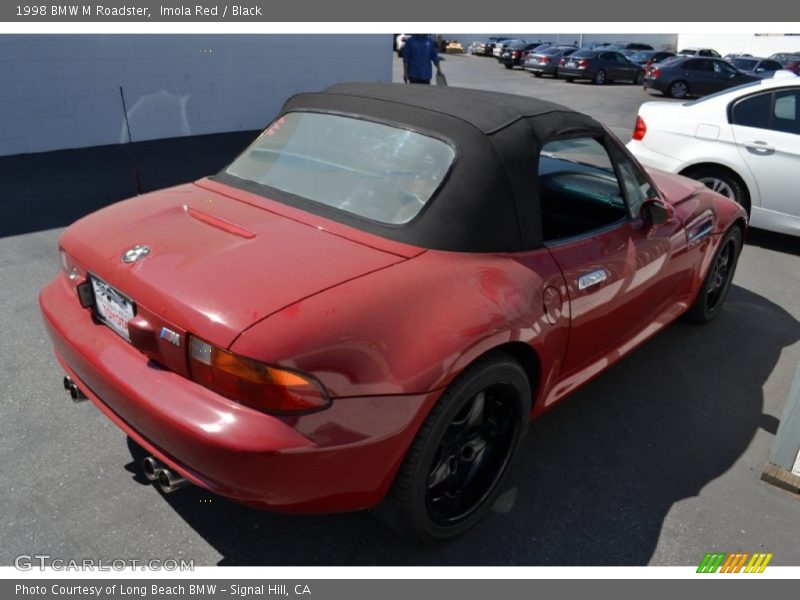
[[216, 264]]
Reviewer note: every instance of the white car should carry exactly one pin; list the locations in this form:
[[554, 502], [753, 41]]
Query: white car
[[743, 142]]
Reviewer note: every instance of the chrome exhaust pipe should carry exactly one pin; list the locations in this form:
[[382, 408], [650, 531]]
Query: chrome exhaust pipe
[[151, 468], [169, 481], [75, 393], [67, 383]]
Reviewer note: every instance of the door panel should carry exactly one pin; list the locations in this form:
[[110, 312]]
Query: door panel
[[618, 282], [772, 150]]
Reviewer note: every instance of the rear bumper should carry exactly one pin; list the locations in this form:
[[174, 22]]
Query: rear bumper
[[658, 85], [343, 458], [564, 73], [539, 68]]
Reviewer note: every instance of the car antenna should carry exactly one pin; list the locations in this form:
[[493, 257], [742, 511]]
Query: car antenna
[[131, 155]]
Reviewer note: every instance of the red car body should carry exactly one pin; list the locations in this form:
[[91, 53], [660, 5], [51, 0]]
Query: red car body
[[382, 324]]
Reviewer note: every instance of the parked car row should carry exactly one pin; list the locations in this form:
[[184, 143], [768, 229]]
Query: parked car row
[[740, 140]]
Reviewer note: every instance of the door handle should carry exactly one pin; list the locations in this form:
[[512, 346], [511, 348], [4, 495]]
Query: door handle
[[592, 278], [759, 147]]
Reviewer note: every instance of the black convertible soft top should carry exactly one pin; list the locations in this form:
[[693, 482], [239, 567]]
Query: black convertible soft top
[[489, 201]]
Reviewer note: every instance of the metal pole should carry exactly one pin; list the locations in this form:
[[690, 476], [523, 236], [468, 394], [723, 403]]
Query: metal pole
[[783, 468]]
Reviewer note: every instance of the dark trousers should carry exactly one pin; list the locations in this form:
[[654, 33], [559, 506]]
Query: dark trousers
[[415, 80]]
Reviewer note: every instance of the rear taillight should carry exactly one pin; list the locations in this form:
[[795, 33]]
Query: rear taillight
[[255, 384], [639, 129], [562, 62], [544, 60], [583, 63], [515, 53], [655, 72]]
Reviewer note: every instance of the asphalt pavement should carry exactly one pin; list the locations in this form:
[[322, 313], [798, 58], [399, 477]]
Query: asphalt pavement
[[657, 461]]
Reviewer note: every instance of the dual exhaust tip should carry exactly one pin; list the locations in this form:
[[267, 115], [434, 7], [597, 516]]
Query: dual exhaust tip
[[74, 391], [156, 472]]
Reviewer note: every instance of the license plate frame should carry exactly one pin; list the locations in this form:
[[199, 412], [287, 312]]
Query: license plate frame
[[112, 308]]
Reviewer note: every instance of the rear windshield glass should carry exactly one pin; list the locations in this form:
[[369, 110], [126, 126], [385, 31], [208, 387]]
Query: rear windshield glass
[[642, 55], [584, 54], [745, 64], [369, 169]]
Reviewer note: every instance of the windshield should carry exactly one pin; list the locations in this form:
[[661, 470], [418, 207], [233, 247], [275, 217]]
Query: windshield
[[369, 169], [745, 64], [642, 55]]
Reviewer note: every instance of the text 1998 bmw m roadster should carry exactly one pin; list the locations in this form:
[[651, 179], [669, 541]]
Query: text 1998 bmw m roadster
[[367, 306]]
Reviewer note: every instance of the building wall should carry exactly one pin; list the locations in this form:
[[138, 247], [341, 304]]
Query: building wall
[[62, 91], [727, 43]]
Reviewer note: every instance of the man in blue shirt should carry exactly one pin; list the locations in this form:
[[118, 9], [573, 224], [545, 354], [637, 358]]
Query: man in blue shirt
[[418, 54]]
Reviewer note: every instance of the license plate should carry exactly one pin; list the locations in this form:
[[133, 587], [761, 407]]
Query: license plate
[[570, 63], [113, 308]]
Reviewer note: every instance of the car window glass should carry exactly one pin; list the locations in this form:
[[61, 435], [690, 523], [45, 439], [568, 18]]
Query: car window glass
[[723, 68], [785, 115], [771, 65], [745, 64], [373, 170], [578, 188], [752, 111], [636, 185]]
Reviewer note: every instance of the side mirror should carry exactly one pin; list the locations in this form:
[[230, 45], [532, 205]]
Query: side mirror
[[656, 212]]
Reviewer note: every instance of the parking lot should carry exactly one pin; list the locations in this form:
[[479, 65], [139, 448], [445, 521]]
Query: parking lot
[[657, 461]]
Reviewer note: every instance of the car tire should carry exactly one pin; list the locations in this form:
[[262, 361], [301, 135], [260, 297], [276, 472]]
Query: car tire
[[469, 443], [570, 79], [599, 77], [723, 182], [537, 75], [509, 66], [678, 89], [639, 78], [718, 280]]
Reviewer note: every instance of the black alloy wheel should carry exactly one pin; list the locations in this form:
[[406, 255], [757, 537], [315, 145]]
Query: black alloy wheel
[[463, 453], [717, 283]]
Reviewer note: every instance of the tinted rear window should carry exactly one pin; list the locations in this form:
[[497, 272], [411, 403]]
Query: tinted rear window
[[369, 169], [642, 55], [753, 111], [584, 54], [745, 64]]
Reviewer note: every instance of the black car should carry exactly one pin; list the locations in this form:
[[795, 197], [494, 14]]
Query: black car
[[487, 48], [600, 66], [648, 57], [628, 46], [545, 61], [692, 76], [753, 65], [514, 54]]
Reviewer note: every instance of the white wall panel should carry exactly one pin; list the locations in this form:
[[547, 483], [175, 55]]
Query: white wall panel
[[62, 91]]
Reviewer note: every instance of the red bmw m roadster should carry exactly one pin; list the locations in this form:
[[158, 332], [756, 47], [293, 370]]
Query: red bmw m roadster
[[368, 305]]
